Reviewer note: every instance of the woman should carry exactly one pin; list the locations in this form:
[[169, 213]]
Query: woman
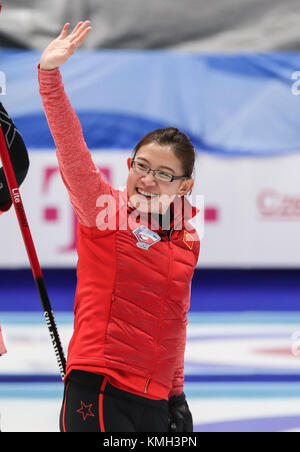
[[126, 356]]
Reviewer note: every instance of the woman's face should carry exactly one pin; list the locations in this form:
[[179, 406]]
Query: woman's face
[[160, 194]]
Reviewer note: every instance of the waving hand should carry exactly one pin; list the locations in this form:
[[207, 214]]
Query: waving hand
[[63, 47]]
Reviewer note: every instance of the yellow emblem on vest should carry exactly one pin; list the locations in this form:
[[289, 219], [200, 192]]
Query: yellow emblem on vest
[[188, 240]]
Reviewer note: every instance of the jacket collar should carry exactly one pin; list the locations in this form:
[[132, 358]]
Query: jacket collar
[[181, 211]]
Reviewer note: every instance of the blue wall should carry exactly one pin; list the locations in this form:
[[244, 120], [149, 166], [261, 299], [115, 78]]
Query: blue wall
[[212, 290]]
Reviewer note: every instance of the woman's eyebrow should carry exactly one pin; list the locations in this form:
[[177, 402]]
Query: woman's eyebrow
[[165, 167]]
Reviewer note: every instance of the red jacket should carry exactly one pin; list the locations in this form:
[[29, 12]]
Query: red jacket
[[131, 303]]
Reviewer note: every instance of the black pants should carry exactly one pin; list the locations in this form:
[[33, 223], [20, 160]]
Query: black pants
[[92, 404]]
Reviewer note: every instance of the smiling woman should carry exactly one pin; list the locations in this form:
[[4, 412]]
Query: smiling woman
[[172, 174], [126, 356]]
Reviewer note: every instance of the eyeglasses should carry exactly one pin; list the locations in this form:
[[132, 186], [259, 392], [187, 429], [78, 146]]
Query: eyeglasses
[[159, 175]]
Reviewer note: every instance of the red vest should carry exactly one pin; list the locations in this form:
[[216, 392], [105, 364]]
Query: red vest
[[132, 298]]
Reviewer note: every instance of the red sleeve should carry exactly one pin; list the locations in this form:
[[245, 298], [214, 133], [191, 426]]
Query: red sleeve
[[178, 378], [79, 173]]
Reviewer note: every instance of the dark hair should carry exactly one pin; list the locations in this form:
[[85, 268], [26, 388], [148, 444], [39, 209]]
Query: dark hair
[[180, 143]]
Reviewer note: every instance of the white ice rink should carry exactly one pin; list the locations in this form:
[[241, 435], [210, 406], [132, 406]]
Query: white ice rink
[[241, 373]]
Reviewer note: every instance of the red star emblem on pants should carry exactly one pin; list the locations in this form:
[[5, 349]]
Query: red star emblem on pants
[[85, 410]]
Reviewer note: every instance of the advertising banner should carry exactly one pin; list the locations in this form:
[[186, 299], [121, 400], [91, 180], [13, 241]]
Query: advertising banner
[[250, 211]]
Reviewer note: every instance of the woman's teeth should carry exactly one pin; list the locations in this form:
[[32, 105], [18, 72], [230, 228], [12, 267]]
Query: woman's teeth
[[145, 193]]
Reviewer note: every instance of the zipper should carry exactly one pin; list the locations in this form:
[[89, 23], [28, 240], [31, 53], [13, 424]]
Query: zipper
[[109, 317], [167, 234], [168, 282], [146, 386], [170, 233], [164, 298]]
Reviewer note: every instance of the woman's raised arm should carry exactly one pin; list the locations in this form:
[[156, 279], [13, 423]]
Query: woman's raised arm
[[80, 175]]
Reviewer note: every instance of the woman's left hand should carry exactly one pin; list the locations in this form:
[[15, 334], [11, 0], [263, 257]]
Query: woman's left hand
[[180, 416]]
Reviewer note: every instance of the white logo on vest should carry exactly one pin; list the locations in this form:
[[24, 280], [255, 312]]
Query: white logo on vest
[[146, 237]]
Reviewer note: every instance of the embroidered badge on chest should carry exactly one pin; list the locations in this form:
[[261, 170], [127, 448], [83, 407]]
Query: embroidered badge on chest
[[146, 237]]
